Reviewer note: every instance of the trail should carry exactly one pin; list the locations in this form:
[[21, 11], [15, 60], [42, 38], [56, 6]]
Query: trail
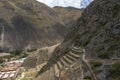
[[22, 76], [89, 67], [85, 61]]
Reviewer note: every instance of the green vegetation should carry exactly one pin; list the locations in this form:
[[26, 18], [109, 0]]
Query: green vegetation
[[77, 40], [104, 55], [1, 60], [115, 70], [116, 10], [18, 54], [95, 64], [87, 78], [29, 75], [31, 50], [112, 45], [15, 55], [86, 42]]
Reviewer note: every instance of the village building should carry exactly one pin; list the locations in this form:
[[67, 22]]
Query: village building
[[10, 70]]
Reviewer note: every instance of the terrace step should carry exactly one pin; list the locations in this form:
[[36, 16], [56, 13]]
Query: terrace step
[[70, 57], [60, 65], [65, 63], [69, 61], [56, 69], [74, 55]]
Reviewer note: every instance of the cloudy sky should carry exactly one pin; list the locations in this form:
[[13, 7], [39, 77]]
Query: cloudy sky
[[66, 3]]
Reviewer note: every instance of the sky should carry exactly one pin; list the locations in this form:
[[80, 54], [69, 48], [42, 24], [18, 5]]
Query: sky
[[67, 3]]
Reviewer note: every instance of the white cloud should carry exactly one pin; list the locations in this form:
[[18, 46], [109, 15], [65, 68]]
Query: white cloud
[[66, 3]]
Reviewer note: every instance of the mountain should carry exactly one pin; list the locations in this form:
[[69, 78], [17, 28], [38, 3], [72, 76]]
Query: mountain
[[68, 15], [67, 3], [27, 24], [42, 25], [91, 49]]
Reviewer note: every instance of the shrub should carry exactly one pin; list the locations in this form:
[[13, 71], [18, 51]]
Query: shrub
[[116, 10], [31, 50], [104, 55], [87, 78], [86, 43], [15, 53], [114, 71], [95, 63], [1, 60]]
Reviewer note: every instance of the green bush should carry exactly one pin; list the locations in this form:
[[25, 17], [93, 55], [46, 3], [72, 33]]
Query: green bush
[[86, 43], [31, 50], [104, 55], [15, 53], [87, 78], [95, 63], [114, 71], [23, 55], [1, 60], [116, 10], [77, 40]]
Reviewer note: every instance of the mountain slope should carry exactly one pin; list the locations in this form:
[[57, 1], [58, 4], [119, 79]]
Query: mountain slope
[[67, 3], [68, 15], [98, 34], [28, 24]]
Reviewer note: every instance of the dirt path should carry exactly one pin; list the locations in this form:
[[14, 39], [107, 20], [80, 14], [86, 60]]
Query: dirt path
[[22, 76], [89, 67], [85, 61]]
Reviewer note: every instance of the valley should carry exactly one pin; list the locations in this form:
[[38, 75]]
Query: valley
[[15, 69], [38, 42]]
